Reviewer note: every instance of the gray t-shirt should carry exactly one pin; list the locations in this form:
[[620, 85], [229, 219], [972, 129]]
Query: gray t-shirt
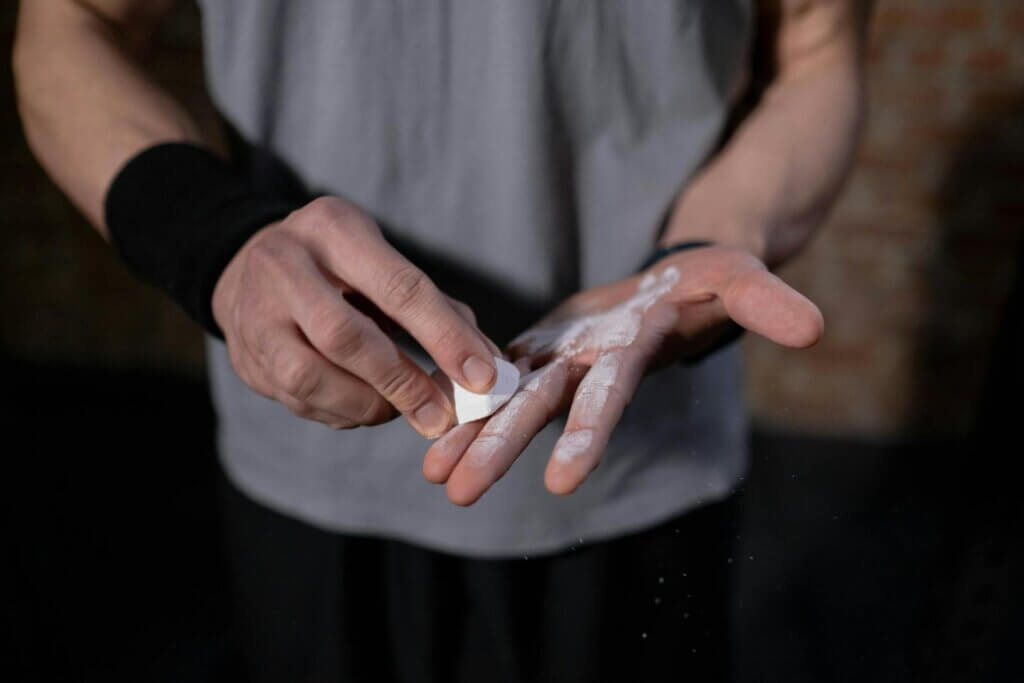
[[537, 144]]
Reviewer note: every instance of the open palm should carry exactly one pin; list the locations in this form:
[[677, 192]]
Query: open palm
[[590, 353]]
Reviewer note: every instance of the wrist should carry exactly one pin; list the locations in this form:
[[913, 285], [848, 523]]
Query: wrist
[[665, 250], [178, 215], [701, 214]]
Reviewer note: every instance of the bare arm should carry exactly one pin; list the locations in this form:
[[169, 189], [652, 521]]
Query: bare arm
[[88, 107], [759, 200], [86, 104], [779, 174]]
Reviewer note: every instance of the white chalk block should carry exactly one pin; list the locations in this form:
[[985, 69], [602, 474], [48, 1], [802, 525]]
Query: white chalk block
[[470, 406]]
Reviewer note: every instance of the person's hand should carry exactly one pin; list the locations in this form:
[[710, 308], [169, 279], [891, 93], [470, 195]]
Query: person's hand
[[292, 305], [591, 352]]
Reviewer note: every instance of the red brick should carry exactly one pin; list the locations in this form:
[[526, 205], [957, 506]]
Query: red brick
[[928, 56], [891, 15], [1014, 20], [926, 96], [958, 17], [990, 60]]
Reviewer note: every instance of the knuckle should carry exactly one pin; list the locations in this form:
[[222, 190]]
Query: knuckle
[[320, 212], [337, 332], [263, 255], [298, 377], [403, 387], [404, 288], [334, 215], [262, 339], [268, 255], [298, 408], [450, 341]]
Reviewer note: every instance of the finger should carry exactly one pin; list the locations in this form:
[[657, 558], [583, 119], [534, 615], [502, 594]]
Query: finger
[[751, 295], [315, 389], [507, 434], [354, 343], [245, 366], [444, 454], [313, 415], [462, 309], [763, 303], [469, 316], [406, 295], [600, 399]]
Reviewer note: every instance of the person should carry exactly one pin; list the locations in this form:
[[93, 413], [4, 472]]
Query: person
[[379, 177]]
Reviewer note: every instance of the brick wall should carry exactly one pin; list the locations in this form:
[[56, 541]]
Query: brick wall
[[913, 267], [910, 271]]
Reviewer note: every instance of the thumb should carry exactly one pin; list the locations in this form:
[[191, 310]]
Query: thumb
[[761, 302]]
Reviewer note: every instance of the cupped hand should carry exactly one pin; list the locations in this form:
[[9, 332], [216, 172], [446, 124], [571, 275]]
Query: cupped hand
[[590, 353], [293, 307]]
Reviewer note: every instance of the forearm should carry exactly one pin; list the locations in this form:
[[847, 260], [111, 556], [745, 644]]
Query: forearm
[[779, 174], [86, 105]]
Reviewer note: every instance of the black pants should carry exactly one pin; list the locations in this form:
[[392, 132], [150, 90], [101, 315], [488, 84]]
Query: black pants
[[317, 606]]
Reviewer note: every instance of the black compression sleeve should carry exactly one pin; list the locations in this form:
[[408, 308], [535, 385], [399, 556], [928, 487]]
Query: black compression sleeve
[[177, 215]]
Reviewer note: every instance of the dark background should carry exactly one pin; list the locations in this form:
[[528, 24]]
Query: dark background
[[880, 539]]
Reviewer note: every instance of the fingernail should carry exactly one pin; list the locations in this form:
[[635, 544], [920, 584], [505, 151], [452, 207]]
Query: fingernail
[[432, 419], [479, 373]]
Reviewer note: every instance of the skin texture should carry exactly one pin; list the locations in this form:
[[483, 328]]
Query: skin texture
[[595, 380], [779, 174], [294, 337], [284, 301], [759, 199]]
